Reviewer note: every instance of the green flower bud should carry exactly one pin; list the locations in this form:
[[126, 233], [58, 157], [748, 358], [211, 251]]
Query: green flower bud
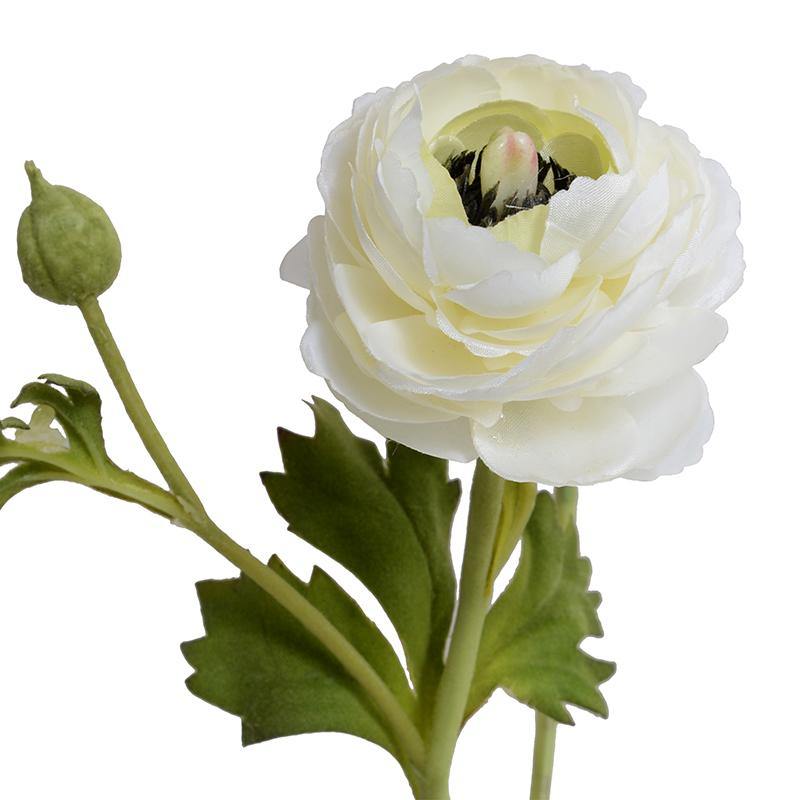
[[67, 247]]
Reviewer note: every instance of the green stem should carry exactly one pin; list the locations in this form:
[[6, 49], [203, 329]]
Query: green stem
[[406, 734], [474, 599], [566, 504], [544, 747], [196, 519], [113, 480], [544, 751], [134, 405]]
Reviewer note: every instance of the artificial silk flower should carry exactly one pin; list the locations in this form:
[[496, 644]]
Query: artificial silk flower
[[513, 267], [513, 264]]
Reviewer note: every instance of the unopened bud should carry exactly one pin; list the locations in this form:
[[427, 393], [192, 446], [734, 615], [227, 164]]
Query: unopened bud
[[510, 165], [67, 247]]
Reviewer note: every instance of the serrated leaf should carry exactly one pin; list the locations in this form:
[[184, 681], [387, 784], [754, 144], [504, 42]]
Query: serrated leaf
[[430, 499], [531, 641], [257, 662], [388, 523]]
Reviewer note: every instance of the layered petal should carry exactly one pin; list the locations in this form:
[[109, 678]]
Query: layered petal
[[550, 329], [664, 427]]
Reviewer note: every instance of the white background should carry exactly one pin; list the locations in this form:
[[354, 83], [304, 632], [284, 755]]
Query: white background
[[199, 127]]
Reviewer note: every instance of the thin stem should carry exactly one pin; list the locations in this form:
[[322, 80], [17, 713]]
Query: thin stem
[[544, 751], [474, 600], [544, 747], [134, 405], [566, 504], [406, 734], [196, 519], [111, 481]]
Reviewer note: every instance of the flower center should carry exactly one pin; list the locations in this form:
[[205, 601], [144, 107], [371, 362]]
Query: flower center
[[506, 176]]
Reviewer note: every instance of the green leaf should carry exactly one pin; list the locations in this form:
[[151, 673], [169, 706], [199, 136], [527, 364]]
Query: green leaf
[[388, 522], [78, 409], [421, 485], [40, 453], [531, 641], [13, 423], [24, 476], [257, 662]]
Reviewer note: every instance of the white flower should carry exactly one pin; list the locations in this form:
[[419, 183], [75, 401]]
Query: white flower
[[545, 321]]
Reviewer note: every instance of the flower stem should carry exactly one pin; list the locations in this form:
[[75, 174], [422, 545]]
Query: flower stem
[[544, 750], [566, 504], [544, 747], [134, 405], [474, 599], [197, 519], [405, 733]]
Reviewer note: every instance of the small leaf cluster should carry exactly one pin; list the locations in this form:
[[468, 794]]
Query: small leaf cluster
[[38, 453]]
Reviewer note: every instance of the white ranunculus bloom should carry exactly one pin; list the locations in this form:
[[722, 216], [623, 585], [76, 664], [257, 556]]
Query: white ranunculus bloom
[[513, 264]]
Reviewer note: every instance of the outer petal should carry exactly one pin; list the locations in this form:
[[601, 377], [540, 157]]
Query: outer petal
[[675, 425], [538, 443], [682, 338], [449, 440], [296, 266], [605, 438], [337, 157], [325, 355], [710, 289]]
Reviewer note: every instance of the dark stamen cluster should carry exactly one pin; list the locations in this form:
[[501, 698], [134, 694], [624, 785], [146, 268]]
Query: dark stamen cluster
[[480, 208]]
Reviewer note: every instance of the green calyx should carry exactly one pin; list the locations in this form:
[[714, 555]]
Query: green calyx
[[68, 249]]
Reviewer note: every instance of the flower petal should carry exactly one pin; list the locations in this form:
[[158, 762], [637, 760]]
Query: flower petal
[[582, 213], [682, 338], [516, 293], [535, 442], [604, 438], [459, 254], [449, 440], [325, 355], [295, 267], [450, 90], [412, 347], [639, 224]]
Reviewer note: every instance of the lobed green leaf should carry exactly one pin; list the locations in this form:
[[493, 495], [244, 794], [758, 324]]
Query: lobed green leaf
[[430, 499], [258, 662], [42, 454], [387, 521], [531, 642], [77, 407]]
